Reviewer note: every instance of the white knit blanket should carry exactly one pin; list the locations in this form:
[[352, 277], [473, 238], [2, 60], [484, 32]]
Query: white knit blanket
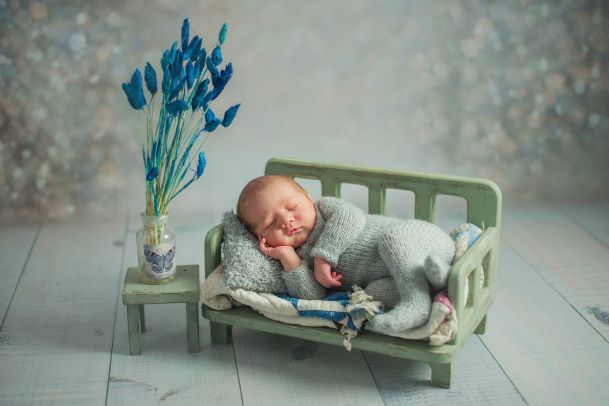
[[440, 328]]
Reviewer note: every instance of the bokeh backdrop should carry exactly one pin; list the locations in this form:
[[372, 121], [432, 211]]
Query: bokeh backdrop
[[516, 91]]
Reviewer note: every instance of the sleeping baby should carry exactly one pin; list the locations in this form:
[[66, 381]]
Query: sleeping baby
[[333, 244]]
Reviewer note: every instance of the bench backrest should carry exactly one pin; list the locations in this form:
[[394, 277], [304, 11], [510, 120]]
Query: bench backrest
[[483, 196]]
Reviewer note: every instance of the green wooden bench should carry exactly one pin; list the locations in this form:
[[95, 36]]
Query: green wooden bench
[[483, 199]]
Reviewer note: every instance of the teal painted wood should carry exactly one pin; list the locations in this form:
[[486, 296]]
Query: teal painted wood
[[192, 327], [133, 324], [142, 319], [547, 349], [15, 245], [166, 373], [183, 289], [57, 336], [567, 256], [483, 209], [279, 370]]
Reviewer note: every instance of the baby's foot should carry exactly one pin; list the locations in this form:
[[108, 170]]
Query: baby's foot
[[401, 318], [385, 323], [436, 272]]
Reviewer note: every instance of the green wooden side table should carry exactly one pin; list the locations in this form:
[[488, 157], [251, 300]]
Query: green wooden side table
[[183, 289]]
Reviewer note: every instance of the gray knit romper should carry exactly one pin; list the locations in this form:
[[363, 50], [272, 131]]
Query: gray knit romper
[[396, 261]]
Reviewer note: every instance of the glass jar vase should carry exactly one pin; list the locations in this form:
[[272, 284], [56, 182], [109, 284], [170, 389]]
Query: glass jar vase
[[156, 249]]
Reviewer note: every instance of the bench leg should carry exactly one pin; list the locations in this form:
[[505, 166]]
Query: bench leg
[[221, 333], [133, 322], [441, 375], [192, 326], [481, 329], [142, 319]]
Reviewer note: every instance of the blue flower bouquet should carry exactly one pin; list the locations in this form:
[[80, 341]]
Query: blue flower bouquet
[[172, 139]]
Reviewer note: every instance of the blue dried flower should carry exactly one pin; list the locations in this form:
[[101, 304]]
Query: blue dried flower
[[150, 78], [221, 79], [216, 56], [222, 34], [200, 92], [194, 48], [176, 107], [152, 174], [201, 164], [172, 52], [211, 121], [213, 71], [230, 114], [197, 69], [202, 56], [167, 157], [176, 67], [134, 91], [192, 51], [190, 74], [166, 76], [185, 34], [208, 97]]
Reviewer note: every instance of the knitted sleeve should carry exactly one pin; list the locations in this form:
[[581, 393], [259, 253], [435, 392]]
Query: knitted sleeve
[[344, 222], [302, 284]]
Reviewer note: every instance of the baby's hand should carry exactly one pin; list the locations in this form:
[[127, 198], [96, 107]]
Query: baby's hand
[[273, 252], [284, 253], [322, 270]]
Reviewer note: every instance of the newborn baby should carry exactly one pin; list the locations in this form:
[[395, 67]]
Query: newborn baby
[[334, 244]]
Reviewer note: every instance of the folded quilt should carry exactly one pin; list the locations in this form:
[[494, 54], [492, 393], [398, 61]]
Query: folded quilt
[[344, 311]]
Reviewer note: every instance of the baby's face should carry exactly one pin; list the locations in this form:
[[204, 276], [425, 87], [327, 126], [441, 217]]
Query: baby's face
[[282, 214]]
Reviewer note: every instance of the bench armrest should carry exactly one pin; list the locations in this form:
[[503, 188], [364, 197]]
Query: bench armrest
[[480, 257], [212, 248]]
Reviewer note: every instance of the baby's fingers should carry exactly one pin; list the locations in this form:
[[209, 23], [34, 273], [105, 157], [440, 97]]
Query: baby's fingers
[[335, 279], [263, 247]]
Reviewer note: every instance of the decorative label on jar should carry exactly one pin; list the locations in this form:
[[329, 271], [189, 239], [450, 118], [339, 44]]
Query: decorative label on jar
[[159, 260]]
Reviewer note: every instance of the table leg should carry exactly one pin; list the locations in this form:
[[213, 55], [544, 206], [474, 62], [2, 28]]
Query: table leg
[[142, 319], [192, 326], [133, 321]]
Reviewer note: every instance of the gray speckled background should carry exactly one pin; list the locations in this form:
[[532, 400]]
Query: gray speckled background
[[516, 91]]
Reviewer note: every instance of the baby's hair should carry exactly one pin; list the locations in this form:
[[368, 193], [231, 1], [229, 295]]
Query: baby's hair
[[256, 186]]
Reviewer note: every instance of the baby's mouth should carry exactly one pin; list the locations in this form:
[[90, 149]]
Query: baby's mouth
[[293, 230]]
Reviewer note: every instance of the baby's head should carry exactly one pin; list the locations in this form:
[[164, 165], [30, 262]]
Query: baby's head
[[278, 209]]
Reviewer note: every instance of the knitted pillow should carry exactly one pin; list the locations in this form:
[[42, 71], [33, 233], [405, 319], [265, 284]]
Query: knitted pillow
[[245, 266]]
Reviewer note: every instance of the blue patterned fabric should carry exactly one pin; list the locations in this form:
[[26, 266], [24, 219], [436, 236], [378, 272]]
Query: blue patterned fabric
[[334, 307]]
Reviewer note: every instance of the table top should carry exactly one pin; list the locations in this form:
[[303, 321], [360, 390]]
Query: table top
[[183, 289]]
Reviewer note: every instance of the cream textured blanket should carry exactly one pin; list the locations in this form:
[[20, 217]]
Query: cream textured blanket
[[348, 317]]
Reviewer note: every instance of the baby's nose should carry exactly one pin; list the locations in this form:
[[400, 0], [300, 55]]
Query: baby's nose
[[287, 222]]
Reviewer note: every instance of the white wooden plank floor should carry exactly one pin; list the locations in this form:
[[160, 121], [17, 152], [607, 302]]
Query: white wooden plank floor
[[63, 338]]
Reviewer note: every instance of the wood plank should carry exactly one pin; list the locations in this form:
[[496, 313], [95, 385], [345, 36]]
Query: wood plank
[[58, 331], [547, 349], [15, 246], [477, 380], [273, 369], [593, 217], [166, 372], [568, 257]]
